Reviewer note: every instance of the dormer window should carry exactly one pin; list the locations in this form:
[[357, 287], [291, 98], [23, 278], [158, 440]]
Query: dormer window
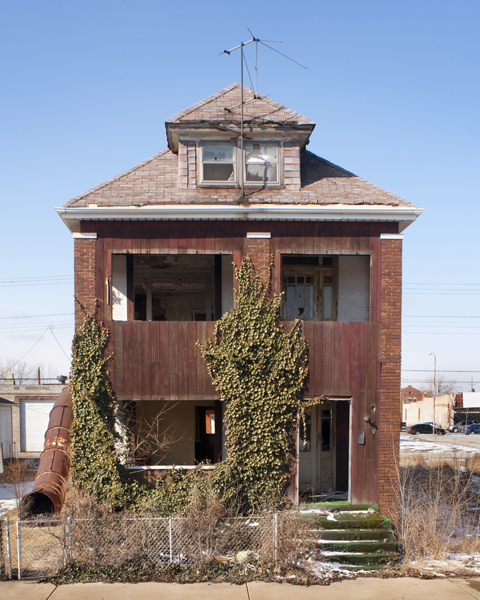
[[221, 163], [218, 162], [261, 162]]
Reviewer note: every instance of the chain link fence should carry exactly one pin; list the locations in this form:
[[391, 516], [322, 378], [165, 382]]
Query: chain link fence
[[40, 548], [46, 545], [5, 556]]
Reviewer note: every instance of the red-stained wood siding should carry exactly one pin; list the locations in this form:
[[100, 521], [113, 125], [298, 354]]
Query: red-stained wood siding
[[229, 237], [160, 360]]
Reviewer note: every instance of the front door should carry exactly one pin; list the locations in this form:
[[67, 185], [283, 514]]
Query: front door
[[317, 449]]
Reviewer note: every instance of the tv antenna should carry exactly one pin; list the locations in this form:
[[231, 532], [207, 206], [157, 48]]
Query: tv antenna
[[255, 41]]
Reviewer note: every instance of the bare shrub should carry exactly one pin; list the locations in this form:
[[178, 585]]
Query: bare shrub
[[439, 507], [17, 474], [296, 540]]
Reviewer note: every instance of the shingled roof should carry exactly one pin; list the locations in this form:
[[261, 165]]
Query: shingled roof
[[155, 182], [224, 107]]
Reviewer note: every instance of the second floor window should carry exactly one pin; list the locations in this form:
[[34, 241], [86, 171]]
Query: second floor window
[[309, 287]]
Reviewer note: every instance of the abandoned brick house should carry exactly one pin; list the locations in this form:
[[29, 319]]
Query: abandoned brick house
[[156, 244]]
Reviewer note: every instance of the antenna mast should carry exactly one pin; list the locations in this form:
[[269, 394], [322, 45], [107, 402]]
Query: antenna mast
[[256, 41]]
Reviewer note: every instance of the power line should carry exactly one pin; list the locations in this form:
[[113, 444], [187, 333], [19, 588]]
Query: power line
[[438, 371], [14, 365], [51, 331], [38, 316], [438, 333]]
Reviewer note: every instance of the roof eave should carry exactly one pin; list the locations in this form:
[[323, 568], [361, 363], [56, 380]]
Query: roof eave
[[72, 216], [300, 131]]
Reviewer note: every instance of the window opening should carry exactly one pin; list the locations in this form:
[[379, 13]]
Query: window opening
[[204, 434], [261, 162], [306, 433], [326, 429], [218, 162], [309, 290], [174, 287]]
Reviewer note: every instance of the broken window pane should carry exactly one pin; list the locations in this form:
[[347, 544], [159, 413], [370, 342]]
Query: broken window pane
[[261, 162], [218, 162]]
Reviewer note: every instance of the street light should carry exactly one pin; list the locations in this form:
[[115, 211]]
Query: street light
[[434, 385]]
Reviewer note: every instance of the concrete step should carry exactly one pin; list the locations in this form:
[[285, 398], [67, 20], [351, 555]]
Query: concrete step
[[352, 534], [378, 559], [367, 547], [343, 520]]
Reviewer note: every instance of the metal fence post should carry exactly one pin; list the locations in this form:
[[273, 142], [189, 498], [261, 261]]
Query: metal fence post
[[8, 566], [70, 544], [6, 549], [275, 537], [170, 537], [19, 552]]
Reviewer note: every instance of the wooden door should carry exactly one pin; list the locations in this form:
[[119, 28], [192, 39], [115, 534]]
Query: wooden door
[[317, 449]]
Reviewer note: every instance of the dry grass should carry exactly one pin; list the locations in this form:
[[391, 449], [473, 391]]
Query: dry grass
[[439, 506]]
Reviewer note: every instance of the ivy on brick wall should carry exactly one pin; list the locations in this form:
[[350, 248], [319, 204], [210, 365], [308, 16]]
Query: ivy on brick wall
[[259, 370], [96, 468], [95, 465]]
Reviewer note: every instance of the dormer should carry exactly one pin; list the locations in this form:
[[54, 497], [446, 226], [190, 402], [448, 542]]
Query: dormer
[[207, 138]]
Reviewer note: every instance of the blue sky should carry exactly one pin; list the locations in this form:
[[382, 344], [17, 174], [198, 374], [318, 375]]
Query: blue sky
[[393, 87]]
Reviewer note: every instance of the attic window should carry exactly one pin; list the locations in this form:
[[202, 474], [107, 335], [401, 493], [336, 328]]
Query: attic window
[[218, 162], [261, 162]]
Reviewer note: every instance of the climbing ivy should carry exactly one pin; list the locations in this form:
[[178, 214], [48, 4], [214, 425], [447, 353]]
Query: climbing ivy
[[259, 370], [95, 466]]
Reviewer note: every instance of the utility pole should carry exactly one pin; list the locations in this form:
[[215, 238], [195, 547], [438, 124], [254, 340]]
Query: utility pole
[[434, 385]]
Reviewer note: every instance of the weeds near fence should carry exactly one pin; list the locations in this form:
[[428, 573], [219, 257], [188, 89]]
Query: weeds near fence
[[439, 507], [17, 474]]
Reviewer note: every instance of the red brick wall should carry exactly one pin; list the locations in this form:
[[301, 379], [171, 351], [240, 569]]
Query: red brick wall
[[389, 401], [84, 263], [259, 250]]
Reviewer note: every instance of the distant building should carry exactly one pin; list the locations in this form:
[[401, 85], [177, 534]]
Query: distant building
[[421, 410], [24, 413], [410, 394]]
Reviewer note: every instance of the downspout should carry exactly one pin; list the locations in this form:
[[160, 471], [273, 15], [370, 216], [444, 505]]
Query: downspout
[[50, 487]]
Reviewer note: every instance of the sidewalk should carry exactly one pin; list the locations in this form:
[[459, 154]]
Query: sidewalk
[[361, 589]]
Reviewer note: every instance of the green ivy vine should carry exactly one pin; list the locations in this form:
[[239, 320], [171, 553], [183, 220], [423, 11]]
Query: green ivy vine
[[259, 370]]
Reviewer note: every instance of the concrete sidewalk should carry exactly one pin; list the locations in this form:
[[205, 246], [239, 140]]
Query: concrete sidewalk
[[361, 589]]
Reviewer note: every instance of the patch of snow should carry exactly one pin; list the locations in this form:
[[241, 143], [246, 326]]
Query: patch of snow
[[8, 492]]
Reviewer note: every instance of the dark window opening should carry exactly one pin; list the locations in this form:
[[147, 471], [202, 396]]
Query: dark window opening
[[175, 287], [205, 434], [309, 287]]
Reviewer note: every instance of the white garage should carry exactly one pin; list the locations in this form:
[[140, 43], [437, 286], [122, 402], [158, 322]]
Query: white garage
[[6, 430], [34, 416]]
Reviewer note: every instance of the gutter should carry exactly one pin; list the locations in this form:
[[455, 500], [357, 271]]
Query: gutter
[[72, 216]]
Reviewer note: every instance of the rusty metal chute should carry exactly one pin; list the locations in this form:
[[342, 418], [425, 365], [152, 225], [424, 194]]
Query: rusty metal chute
[[50, 487]]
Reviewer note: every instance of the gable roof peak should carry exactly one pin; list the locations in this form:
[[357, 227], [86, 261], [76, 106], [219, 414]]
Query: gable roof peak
[[224, 108], [225, 105]]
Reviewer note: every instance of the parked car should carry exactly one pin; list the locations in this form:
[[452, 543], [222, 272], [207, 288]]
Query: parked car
[[425, 428], [472, 428], [403, 426], [460, 427]]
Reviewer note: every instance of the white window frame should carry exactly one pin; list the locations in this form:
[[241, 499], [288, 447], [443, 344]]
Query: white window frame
[[239, 164]]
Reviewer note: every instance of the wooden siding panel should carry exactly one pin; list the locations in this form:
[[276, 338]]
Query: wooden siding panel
[[164, 326], [173, 359], [182, 365], [145, 367]]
